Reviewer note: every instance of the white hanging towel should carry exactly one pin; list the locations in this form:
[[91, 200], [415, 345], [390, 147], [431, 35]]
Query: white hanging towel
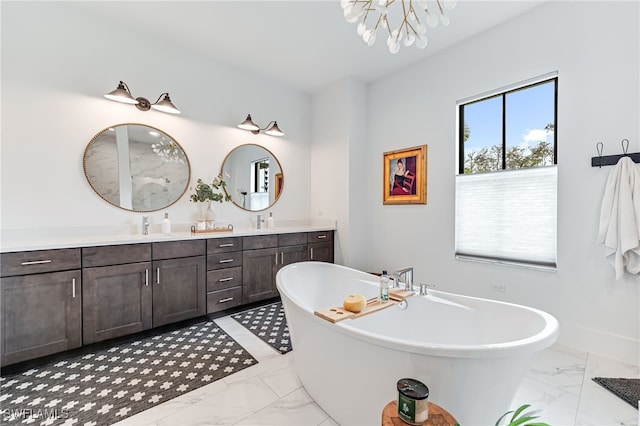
[[620, 217]]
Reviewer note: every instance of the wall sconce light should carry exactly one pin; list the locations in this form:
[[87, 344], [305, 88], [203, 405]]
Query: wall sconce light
[[123, 94], [271, 129]]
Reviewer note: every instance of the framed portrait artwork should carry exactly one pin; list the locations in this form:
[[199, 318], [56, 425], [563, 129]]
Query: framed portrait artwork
[[279, 183], [404, 180]]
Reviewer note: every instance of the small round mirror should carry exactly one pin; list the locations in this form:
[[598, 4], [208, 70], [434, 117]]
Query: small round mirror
[[136, 167], [254, 177]]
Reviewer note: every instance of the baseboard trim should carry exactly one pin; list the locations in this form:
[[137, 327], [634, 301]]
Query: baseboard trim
[[619, 348]]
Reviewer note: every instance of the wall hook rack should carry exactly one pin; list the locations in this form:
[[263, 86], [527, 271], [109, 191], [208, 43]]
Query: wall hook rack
[[611, 160]]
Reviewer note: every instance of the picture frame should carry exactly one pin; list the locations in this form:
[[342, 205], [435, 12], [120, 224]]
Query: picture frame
[[404, 177], [279, 183]]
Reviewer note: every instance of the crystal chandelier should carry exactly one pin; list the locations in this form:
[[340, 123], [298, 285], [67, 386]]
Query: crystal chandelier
[[169, 151], [414, 17]]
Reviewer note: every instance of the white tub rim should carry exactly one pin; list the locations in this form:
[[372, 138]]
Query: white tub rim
[[538, 341]]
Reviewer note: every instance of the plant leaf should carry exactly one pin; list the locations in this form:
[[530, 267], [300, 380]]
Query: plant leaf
[[522, 420], [518, 411], [502, 417]]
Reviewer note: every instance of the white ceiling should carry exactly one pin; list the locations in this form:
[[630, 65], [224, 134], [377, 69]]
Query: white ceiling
[[305, 43]]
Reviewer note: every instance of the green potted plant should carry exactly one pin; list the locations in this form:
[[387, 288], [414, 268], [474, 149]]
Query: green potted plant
[[208, 192], [519, 418]]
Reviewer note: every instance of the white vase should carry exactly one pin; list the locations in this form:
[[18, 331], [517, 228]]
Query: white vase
[[207, 214]]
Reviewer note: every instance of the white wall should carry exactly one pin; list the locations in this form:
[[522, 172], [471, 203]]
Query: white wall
[[58, 61], [594, 46], [338, 167]]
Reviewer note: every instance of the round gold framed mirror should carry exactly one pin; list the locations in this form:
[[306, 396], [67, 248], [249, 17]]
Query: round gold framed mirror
[[136, 167], [254, 177]]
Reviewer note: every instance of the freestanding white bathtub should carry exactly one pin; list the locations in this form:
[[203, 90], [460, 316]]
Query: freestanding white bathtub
[[472, 353]]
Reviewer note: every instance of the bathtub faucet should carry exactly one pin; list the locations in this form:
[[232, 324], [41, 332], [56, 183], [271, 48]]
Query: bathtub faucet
[[408, 278]]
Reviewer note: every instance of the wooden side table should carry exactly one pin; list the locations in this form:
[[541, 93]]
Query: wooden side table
[[438, 416]]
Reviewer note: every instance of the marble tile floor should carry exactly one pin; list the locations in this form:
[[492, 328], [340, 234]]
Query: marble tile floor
[[558, 385]]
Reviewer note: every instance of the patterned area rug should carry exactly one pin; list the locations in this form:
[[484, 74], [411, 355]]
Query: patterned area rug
[[110, 384], [269, 324], [626, 389]]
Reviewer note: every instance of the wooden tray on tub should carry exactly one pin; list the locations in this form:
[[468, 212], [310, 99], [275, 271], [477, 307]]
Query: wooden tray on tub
[[373, 305]]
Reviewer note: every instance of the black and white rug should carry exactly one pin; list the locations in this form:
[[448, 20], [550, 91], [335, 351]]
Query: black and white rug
[[110, 384], [626, 389], [269, 324]]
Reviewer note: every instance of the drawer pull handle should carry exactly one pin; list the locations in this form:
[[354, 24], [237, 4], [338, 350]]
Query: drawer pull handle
[[282, 258], [226, 261], [73, 288], [228, 299], [221, 280], [146, 277], [226, 245], [321, 237], [311, 253], [276, 259], [157, 275], [36, 262]]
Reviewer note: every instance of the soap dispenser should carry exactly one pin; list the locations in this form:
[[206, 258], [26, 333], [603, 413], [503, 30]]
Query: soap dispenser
[[166, 224], [270, 221], [384, 287]]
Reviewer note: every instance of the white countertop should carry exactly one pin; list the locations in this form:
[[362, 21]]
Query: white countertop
[[12, 240]]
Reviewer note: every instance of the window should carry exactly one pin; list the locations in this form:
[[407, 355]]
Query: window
[[506, 187], [260, 175]]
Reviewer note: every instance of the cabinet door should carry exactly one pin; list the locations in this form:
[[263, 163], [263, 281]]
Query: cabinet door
[[293, 254], [321, 252], [287, 256], [179, 289], [116, 301], [41, 315], [257, 274]]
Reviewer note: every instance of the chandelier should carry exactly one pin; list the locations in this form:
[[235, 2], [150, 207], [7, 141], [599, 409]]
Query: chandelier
[[169, 151], [414, 17]]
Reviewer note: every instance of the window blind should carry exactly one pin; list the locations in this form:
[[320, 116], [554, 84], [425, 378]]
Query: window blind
[[508, 216]]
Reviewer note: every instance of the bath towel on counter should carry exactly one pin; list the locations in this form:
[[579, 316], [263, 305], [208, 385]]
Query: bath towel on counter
[[619, 228]]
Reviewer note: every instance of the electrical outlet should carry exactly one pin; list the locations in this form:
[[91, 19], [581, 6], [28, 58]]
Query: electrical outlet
[[499, 287]]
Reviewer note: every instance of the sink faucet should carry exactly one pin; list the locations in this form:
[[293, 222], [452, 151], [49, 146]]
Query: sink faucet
[[259, 221], [408, 277], [145, 225]]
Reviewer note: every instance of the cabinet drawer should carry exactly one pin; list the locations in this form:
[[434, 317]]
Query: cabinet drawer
[[295, 239], [224, 260], [224, 299], [320, 236], [35, 262], [174, 249], [259, 241], [224, 278], [115, 255], [224, 245]]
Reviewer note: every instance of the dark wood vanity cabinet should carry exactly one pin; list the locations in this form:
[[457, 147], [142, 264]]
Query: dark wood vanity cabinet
[[55, 300], [262, 259], [133, 287], [292, 248], [321, 246], [259, 258], [179, 281], [117, 291], [224, 273], [41, 304]]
